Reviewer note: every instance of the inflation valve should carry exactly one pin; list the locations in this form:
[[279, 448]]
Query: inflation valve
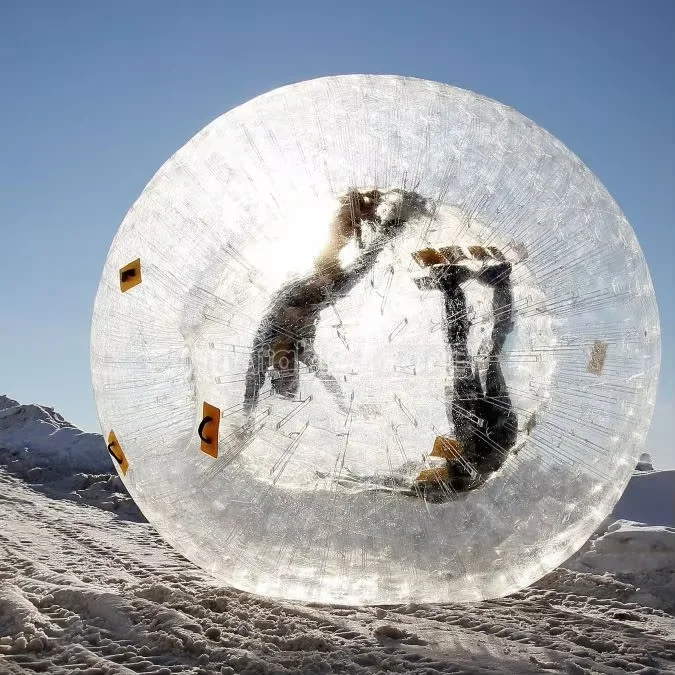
[[208, 430], [130, 275], [116, 452]]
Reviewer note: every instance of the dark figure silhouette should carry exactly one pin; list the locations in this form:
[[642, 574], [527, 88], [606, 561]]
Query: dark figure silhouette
[[285, 337], [485, 423]]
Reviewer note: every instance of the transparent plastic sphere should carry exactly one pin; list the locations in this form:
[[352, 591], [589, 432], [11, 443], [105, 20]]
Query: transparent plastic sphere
[[375, 339]]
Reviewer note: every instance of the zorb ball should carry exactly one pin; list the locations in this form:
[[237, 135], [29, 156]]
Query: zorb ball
[[374, 339]]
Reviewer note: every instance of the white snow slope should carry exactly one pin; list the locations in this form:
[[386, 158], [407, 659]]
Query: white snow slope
[[86, 587]]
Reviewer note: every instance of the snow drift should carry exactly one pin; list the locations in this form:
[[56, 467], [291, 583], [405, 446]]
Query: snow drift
[[39, 446]]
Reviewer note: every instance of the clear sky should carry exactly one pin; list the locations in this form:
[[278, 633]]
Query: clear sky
[[95, 96]]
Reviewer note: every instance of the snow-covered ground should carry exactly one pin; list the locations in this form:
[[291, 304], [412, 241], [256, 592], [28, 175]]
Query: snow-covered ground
[[87, 587]]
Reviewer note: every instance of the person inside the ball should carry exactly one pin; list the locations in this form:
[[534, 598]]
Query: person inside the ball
[[286, 335], [485, 423]]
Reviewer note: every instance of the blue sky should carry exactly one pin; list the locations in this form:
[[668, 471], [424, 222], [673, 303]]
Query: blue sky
[[96, 96]]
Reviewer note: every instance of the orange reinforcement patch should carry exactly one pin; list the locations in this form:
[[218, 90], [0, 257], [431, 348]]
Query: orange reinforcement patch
[[209, 427], [130, 275], [596, 361], [116, 452]]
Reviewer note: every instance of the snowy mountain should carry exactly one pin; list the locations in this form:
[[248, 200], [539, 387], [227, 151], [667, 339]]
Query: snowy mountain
[[86, 586], [39, 446]]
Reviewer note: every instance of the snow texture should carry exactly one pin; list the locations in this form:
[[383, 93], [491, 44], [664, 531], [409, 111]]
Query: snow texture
[[39, 446], [84, 589]]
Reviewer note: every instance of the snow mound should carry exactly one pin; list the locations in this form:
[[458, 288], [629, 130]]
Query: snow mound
[[642, 556], [42, 448], [39, 436], [632, 547]]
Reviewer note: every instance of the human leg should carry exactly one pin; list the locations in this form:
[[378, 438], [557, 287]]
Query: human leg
[[496, 409]]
